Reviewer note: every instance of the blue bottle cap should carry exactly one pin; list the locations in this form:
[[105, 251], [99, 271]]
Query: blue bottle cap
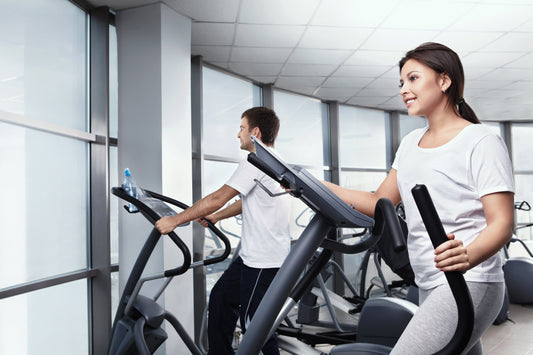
[[127, 172]]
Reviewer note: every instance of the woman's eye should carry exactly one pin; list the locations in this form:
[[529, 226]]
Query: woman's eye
[[413, 77]]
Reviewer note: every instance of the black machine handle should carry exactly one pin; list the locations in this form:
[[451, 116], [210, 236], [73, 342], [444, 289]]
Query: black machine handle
[[153, 217], [465, 308], [522, 205], [384, 216], [211, 226]]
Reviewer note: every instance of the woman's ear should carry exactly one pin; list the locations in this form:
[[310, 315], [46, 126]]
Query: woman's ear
[[445, 82]]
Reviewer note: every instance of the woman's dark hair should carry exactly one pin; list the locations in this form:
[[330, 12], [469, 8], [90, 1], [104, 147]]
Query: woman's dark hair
[[266, 120], [443, 60]]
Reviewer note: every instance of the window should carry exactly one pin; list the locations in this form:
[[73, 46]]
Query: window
[[302, 120], [44, 165], [523, 169]]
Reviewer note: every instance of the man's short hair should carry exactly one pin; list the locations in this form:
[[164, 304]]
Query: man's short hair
[[266, 120]]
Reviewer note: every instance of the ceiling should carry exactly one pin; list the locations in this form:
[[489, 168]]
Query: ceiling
[[348, 50]]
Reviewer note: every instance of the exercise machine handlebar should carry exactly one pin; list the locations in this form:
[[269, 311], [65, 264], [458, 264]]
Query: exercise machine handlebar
[[465, 308]]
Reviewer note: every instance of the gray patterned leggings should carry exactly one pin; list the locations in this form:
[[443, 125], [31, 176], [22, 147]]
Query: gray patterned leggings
[[435, 321]]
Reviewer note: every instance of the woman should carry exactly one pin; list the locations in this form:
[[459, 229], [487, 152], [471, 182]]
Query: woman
[[468, 173]]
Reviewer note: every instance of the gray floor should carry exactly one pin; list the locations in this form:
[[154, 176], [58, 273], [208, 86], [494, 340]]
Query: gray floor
[[513, 337]]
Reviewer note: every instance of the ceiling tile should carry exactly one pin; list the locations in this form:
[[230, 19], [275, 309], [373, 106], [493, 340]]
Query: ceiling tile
[[371, 101], [362, 70], [334, 37], [493, 17], [300, 81], [280, 36], [421, 15], [264, 79], [207, 10], [294, 12], [345, 81], [463, 42], [318, 56], [490, 59], [205, 34], [260, 55], [397, 40], [212, 53], [512, 42], [338, 94], [508, 74], [308, 69], [352, 13], [258, 69], [368, 57], [525, 62]]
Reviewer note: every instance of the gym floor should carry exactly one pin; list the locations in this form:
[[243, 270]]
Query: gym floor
[[511, 338]]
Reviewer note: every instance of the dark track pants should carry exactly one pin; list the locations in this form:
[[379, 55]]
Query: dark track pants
[[238, 292]]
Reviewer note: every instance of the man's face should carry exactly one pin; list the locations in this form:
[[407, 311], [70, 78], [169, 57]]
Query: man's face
[[244, 136]]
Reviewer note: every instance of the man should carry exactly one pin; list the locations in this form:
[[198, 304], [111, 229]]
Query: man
[[265, 238]]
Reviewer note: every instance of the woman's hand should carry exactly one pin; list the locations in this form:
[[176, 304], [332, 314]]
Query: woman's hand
[[452, 255], [166, 225]]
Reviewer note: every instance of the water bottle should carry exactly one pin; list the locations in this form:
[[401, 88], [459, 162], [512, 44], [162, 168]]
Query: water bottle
[[130, 187]]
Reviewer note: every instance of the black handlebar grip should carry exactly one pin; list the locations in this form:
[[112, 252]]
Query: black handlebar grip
[[385, 217], [458, 286]]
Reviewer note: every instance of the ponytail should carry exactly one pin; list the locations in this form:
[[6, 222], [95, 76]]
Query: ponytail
[[466, 112]]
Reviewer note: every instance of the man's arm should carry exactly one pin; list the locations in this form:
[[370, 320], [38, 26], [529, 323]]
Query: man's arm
[[232, 210], [201, 208]]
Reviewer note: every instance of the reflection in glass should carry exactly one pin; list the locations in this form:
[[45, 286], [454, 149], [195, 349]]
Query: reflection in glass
[[51, 321], [362, 138], [44, 205], [300, 138]]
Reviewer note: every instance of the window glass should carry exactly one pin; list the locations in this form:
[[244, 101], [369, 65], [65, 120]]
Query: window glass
[[217, 174], [113, 83], [44, 204], [225, 99], [362, 138], [523, 192], [522, 146], [51, 321], [362, 180], [114, 204], [43, 68], [300, 138], [410, 123]]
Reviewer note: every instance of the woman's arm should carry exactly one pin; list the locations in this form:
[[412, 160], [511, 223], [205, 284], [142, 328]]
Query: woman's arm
[[365, 201], [499, 213]]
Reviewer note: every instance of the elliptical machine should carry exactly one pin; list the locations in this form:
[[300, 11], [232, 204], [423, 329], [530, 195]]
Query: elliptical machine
[[137, 328], [331, 212]]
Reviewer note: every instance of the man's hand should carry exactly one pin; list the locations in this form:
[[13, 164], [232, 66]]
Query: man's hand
[[166, 225], [203, 221]]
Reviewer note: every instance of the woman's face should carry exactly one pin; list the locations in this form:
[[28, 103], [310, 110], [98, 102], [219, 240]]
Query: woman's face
[[422, 88]]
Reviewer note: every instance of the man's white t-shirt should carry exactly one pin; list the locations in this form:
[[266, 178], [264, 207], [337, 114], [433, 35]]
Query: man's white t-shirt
[[457, 174], [265, 237]]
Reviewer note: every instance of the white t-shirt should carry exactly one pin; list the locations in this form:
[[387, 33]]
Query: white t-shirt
[[265, 237], [457, 174]]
